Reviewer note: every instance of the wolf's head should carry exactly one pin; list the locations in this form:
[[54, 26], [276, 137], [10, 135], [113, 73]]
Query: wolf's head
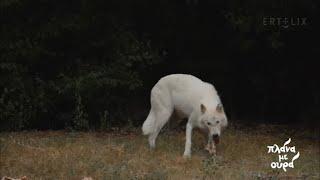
[[213, 120]]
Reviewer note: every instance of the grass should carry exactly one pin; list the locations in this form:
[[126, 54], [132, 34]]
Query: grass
[[242, 154]]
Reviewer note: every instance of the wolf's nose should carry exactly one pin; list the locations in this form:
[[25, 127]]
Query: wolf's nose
[[214, 136]]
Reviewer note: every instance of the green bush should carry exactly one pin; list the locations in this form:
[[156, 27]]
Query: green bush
[[67, 67]]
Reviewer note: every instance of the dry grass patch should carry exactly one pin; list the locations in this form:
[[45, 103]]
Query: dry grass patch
[[242, 154]]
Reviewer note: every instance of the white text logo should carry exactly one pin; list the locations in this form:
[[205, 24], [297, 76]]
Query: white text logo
[[283, 160]]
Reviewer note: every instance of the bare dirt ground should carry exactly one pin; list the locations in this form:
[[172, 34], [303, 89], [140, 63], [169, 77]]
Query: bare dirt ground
[[242, 154]]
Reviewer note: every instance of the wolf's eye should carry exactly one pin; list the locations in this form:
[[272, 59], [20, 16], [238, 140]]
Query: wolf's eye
[[218, 122], [209, 123]]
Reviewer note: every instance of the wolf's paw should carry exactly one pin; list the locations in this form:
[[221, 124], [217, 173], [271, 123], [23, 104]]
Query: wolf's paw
[[186, 155]]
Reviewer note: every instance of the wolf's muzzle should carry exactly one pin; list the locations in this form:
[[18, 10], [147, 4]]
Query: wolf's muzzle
[[216, 138]]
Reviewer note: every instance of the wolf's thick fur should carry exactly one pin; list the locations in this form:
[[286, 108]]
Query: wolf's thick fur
[[196, 99]]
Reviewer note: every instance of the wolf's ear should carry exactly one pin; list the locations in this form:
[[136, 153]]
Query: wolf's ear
[[203, 108], [219, 108]]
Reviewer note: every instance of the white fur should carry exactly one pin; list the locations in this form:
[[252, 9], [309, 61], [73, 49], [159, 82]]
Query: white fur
[[184, 93]]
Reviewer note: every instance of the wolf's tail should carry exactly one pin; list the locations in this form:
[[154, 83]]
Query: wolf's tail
[[149, 124]]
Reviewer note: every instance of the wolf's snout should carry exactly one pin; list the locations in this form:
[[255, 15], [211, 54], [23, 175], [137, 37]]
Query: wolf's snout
[[216, 138]]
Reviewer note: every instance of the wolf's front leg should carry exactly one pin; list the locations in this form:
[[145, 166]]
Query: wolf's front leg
[[187, 150], [211, 148]]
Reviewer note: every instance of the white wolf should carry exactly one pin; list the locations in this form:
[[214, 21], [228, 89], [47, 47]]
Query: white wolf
[[190, 96]]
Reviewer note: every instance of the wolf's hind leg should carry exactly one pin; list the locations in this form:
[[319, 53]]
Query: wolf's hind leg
[[161, 108], [162, 118]]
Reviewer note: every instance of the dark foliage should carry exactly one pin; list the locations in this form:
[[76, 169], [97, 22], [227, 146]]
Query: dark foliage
[[91, 64]]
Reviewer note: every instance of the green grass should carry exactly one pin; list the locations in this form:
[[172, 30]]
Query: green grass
[[242, 154]]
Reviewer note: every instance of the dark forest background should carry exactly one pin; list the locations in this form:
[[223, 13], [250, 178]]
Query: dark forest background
[[90, 64]]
